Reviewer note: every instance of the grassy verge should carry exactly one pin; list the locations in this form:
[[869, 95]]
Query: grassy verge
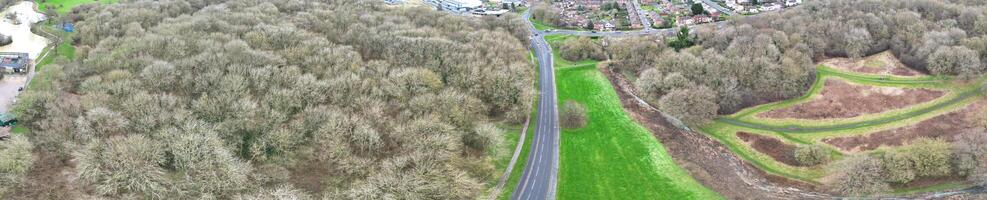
[[64, 6], [518, 169], [613, 157], [541, 26]]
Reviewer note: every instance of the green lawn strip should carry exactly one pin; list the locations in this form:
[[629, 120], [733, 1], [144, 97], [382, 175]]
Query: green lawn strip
[[518, 169], [502, 153], [613, 157], [726, 135], [541, 26], [64, 6], [889, 79]]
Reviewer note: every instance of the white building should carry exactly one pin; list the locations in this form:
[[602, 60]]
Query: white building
[[460, 6]]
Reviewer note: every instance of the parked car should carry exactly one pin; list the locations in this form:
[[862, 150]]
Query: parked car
[[7, 120]]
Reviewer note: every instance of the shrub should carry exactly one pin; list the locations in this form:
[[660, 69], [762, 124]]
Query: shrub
[[581, 48], [859, 176], [694, 106], [931, 157], [573, 115], [809, 155], [898, 167]]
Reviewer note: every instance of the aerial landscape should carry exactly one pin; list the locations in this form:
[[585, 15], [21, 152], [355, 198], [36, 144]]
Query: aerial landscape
[[493, 99]]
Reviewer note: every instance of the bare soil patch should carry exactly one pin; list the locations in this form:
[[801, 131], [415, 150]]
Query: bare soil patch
[[945, 126], [841, 99], [784, 153], [884, 63]]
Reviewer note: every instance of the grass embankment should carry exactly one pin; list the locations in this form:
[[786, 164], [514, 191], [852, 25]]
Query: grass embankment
[[64, 6], [518, 169], [805, 131], [613, 157]]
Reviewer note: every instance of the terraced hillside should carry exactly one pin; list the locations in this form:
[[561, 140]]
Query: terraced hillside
[[851, 110]]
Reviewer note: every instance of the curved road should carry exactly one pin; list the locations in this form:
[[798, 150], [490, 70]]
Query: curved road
[[541, 170], [540, 176]]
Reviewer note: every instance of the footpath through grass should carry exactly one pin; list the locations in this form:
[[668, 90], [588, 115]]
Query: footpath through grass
[[613, 157]]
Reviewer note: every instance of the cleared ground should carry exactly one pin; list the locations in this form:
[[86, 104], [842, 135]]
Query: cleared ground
[[880, 64], [840, 99], [926, 107]]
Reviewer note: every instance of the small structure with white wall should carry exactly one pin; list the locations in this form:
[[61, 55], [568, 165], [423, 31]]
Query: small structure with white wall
[[458, 6]]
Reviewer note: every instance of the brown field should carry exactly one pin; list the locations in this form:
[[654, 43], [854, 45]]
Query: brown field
[[944, 126], [840, 99], [784, 153], [884, 63]]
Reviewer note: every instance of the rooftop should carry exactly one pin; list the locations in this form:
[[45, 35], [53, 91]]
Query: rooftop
[[13, 60]]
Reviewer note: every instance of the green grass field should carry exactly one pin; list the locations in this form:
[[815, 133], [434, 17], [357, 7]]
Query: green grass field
[[64, 6], [806, 131], [613, 157]]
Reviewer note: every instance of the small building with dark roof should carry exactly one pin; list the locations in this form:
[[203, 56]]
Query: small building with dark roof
[[16, 62]]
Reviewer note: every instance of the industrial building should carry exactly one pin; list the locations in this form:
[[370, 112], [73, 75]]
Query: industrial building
[[459, 6]]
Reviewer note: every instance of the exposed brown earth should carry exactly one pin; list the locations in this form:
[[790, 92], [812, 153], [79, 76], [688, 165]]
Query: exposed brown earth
[[944, 126], [841, 99], [707, 160], [781, 152], [884, 63]]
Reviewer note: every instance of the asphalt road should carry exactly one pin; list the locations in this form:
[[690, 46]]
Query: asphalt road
[[541, 170], [540, 176]]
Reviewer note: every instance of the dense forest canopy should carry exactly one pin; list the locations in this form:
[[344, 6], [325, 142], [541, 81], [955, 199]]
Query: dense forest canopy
[[340, 99], [771, 56]]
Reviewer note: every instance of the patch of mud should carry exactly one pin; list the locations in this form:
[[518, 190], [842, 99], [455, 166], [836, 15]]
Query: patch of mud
[[884, 63], [708, 161], [841, 99], [781, 152], [945, 126]]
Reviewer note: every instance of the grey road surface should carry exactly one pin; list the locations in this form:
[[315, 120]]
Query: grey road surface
[[540, 174], [642, 15], [718, 7]]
